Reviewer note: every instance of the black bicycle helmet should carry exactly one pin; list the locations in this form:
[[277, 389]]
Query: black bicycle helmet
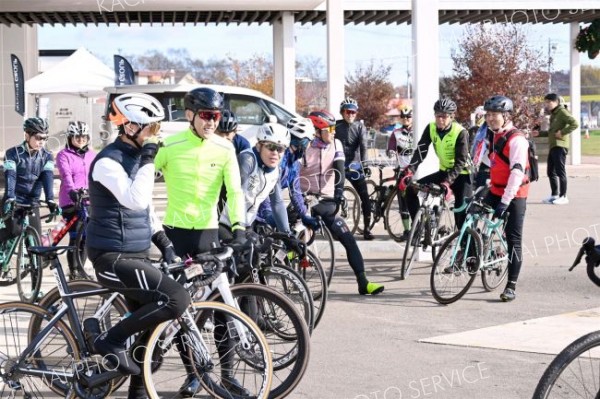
[[444, 105], [35, 126], [203, 98], [498, 104], [228, 122]]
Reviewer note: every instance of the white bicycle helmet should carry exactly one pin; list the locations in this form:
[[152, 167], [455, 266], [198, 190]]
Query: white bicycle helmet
[[78, 128], [301, 128], [138, 108], [274, 133]]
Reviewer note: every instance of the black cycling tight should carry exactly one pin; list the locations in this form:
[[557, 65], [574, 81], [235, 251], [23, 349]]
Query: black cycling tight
[[153, 297], [340, 231]]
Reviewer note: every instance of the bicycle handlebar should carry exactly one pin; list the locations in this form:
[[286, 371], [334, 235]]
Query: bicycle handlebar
[[196, 264]]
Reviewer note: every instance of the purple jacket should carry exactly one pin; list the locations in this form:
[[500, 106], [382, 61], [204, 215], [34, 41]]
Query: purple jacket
[[73, 169]]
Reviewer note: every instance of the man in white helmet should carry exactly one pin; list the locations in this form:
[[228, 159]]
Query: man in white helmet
[[259, 172], [121, 228]]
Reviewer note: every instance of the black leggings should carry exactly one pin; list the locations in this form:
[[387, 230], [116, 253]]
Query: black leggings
[[513, 232], [360, 185], [557, 173], [340, 231], [152, 296], [462, 188], [192, 242]]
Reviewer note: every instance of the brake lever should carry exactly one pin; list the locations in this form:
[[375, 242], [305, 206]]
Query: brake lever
[[578, 258]]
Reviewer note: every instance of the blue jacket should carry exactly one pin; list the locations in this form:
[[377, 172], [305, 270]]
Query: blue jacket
[[25, 174], [112, 227]]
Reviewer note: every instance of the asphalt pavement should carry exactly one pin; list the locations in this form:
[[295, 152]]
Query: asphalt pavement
[[403, 344]]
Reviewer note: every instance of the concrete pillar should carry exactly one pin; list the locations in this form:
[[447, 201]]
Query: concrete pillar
[[335, 55], [284, 60], [426, 67], [575, 106], [22, 42]]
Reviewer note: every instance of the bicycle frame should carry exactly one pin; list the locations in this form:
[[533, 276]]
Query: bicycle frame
[[15, 240], [480, 221]]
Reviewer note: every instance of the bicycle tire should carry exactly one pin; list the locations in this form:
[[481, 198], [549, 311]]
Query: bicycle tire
[[354, 208], [161, 345], [80, 255], [314, 276], [567, 374], [289, 364], [9, 266], [494, 275], [393, 216], [14, 316], [412, 244], [29, 277], [443, 273], [321, 244]]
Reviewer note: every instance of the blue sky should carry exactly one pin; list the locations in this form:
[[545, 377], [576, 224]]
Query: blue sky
[[389, 43]]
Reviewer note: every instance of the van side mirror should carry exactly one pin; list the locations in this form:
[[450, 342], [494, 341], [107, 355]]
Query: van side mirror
[[272, 119]]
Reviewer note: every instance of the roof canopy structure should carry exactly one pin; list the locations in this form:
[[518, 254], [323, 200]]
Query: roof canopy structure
[[127, 12]]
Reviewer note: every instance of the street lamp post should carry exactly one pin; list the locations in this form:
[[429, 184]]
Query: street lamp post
[[551, 50]]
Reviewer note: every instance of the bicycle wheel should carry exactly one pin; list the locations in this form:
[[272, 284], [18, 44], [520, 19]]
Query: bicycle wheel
[[80, 255], [57, 354], [291, 284], [496, 251], [286, 332], [86, 307], [372, 190], [29, 278], [311, 271], [393, 216], [456, 266], [445, 225], [321, 244], [574, 372], [412, 244], [354, 211], [8, 274], [249, 360]]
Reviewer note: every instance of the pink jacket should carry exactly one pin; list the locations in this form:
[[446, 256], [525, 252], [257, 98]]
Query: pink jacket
[[74, 169]]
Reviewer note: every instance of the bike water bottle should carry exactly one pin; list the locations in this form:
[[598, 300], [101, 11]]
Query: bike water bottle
[[91, 331], [46, 242], [56, 230]]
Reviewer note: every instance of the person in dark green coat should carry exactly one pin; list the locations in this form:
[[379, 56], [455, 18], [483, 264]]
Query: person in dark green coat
[[562, 124]]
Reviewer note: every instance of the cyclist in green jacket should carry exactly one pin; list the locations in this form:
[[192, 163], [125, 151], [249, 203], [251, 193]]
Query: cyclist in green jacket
[[196, 163]]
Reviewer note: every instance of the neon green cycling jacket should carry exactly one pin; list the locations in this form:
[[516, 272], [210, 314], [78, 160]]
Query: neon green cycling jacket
[[195, 170]]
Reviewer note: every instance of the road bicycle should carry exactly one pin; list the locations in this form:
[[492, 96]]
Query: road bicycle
[[574, 372], [480, 245], [18, 265], [431, 226], [43, 350], [282, 325]]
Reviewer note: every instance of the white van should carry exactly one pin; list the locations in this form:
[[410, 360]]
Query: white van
[[252, 107]]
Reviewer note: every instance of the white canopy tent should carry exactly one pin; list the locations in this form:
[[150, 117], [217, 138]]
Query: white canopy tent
[[69, 91], [81, 74]]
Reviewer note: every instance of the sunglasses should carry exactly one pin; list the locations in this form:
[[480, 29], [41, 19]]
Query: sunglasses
[[442, 116], [39, 137], [406, 117], [330, 129], [350, 112], [81, 137], [274, 147], [209, 115]]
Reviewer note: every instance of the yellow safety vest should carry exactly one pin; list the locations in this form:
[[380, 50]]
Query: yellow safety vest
[[445, 148]]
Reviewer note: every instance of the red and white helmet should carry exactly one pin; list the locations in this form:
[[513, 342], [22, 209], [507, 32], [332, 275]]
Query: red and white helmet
[[322, 119]]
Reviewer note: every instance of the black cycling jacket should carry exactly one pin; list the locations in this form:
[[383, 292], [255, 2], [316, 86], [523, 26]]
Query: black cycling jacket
[[354, 138]]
